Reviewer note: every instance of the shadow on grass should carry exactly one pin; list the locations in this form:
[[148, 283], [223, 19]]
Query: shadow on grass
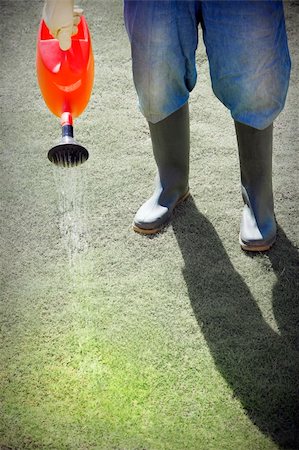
[[260, 365]]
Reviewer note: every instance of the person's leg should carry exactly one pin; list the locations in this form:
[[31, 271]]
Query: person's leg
[[258, 226], [163, 36], [249, 63], [170, 141]]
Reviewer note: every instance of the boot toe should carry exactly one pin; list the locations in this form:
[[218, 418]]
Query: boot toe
[[254, 237], [151, 217]]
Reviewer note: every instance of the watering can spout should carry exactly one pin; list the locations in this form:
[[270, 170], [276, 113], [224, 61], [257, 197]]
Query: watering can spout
[[68, 153], [66, 79]]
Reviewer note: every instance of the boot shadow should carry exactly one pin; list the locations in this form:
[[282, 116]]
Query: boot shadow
[[284, 259], [259, 364]]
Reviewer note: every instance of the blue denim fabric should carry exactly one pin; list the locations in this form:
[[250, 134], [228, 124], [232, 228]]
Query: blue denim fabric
[[246, 44]]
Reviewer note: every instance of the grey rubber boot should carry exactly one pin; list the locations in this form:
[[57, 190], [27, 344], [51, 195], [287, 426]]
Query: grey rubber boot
[[258, 225], [171, 142]]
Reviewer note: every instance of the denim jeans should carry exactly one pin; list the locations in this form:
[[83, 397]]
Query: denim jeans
[[246, 45]]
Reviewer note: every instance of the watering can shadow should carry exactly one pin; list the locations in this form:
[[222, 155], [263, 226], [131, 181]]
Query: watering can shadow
[[65, 79]]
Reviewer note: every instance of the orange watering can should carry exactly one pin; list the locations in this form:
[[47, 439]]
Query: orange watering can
[[66, 79]]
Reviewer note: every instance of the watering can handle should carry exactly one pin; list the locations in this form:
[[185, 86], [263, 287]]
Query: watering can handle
[[62, 20]]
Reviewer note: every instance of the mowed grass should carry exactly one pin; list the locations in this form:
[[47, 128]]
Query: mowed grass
[[111, 340]]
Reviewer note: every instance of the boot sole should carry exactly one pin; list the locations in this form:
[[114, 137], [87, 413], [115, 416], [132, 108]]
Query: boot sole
[[256, 248], [146, 231]]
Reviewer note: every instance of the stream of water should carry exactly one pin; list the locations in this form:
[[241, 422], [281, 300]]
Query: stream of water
[[72, 221]]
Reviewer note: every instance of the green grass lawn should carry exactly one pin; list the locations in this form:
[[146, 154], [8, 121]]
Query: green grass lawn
[[112, 340]]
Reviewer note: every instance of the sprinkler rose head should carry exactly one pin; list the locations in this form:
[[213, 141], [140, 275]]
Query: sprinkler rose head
[[68, 154]]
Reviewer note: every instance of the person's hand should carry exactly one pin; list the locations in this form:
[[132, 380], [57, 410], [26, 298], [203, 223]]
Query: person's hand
[[62, 18]]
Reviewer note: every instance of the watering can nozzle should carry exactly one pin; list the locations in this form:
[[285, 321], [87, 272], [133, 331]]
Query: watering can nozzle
[[68, 153]]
